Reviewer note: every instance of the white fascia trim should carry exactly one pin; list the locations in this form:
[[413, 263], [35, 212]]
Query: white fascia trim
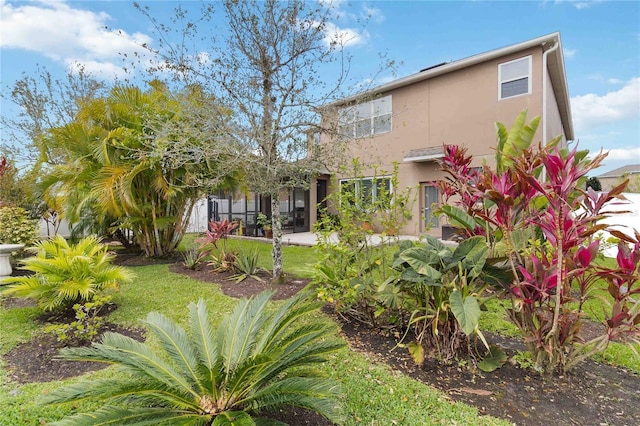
[[423, 158]]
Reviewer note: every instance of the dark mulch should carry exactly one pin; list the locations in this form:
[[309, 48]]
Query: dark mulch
[[593, 394], [34, 361], [246, 288]]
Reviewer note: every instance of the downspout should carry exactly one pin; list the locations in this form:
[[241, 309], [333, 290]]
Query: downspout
[[544, 100]]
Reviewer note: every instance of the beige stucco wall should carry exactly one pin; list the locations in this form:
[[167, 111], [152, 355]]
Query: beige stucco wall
[[459, 107]]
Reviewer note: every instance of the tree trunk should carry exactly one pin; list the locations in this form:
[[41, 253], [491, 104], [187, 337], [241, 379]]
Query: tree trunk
[[276, 252]]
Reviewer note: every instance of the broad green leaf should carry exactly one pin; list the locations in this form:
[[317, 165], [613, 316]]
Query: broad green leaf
[[472, 253], [459, 218], [418, 259], [467, 312], [417, 352], [493, 360]]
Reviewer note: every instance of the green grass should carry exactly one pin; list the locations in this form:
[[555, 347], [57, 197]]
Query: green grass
[[298, 261]]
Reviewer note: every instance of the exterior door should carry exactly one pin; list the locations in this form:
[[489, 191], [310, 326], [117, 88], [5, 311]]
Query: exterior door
[[300, 210], [430, 196]]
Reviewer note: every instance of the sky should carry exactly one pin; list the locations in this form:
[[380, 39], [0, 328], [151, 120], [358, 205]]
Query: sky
[[601, 45]]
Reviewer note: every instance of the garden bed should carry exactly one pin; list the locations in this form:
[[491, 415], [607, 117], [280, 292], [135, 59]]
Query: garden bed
[[593, 393]]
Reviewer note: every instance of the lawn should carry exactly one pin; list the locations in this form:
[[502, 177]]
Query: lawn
[[373, 393]]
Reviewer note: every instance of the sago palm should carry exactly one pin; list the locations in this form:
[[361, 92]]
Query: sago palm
[[254, 362], [64, 274]]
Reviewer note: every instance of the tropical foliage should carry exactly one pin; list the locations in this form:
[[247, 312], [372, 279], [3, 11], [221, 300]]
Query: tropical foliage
[[16, 227], [65, 274], [536, 216], [122, 172], [255, 361], [350, 267], [444, 289], [246, 265], [86, 325]]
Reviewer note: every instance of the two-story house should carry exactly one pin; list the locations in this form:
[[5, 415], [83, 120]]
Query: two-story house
[[408, 120]]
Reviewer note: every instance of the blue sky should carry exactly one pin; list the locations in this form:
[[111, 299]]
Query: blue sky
[[601, 42]]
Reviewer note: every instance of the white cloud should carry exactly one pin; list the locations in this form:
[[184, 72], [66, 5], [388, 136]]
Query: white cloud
[[68, 35], [373, 13], [344, 36], [579, 4], [592, 110], [624, 154], [614, 81], [569, 53]]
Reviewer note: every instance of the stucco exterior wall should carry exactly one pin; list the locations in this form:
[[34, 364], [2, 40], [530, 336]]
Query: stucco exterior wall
[[460, 107]]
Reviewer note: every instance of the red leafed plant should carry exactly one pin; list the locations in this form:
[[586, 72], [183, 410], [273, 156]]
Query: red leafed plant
[[219, 231], [535, 215], [4, 165], [220, 259]]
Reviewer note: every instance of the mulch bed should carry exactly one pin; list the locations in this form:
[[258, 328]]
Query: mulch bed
[[247, 287], [593, 394], [34, 361]]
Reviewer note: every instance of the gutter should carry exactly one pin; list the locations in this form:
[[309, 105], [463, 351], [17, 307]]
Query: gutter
[[545, 74]]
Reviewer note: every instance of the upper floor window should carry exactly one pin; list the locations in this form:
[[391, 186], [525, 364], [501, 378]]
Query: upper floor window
[[366, 119], [514, 78]]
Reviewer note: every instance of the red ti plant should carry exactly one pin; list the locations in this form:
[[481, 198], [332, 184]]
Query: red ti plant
[[547, 228], [219, 231], [561, 270], [459, 188]]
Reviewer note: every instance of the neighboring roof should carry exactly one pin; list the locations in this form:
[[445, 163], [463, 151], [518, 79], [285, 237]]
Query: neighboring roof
[[555, 66], [629, 169], [424, 154]]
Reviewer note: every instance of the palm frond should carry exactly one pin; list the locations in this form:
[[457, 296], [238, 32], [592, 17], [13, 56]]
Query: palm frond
[[111, 415], [238, 331], [137, 357], [219, 372], [204, 340], [177, 345]]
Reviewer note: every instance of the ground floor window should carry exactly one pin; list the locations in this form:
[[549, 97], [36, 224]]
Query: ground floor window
[[364, 192]]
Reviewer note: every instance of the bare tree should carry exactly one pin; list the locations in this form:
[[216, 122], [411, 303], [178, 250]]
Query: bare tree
[[44, 102], [268, 65]]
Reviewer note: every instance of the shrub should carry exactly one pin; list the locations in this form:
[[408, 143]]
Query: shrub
[[255, 361], [444, 289], [193, 257], [220, 231], [16, 227], [350, 268], [533, 211], [66, 274], [86, 325]]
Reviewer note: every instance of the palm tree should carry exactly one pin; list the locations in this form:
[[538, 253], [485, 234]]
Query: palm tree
[[121, 169], [254, 362]]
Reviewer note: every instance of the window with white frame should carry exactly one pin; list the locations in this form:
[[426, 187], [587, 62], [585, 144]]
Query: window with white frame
[[366, 191], [366, 119], [514, 78]]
